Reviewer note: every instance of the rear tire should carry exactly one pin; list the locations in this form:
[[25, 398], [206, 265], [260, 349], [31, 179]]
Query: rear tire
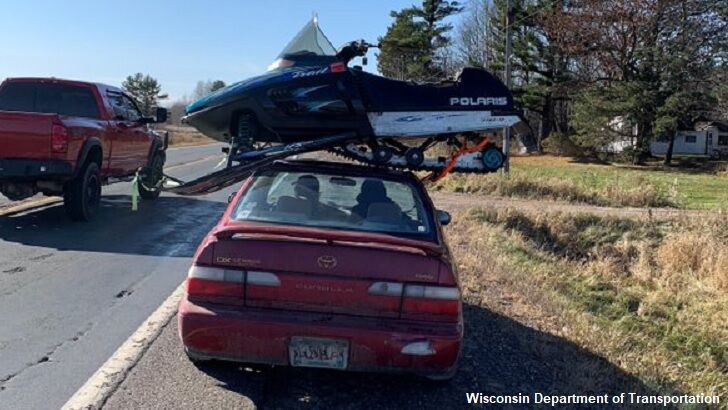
[[154, 173], [82, 195]]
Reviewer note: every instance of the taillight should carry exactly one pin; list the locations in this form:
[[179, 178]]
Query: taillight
[[426, 302], [209, 281], [337, 67], [213, 282], [59, 139]]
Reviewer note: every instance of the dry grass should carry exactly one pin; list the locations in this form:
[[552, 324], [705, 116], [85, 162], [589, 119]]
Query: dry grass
[[650, 296], [637, 193], [183, 135]]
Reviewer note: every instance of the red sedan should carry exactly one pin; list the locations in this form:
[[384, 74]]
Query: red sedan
[[326, 265]]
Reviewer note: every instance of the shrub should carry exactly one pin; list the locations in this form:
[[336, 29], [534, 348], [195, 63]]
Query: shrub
[[560, 144]]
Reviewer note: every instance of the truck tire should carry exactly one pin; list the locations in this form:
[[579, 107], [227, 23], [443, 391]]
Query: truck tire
[[82, 195], [149, 187]]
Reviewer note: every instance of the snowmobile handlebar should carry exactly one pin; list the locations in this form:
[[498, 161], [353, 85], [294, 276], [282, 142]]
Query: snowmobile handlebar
[[354, 49]]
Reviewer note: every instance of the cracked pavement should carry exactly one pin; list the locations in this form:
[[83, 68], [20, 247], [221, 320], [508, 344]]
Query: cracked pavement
[[71, 293]]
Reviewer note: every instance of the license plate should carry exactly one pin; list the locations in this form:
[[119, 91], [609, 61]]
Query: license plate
[[317, 352]]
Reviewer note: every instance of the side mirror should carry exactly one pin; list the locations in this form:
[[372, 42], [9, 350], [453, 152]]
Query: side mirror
[[364, 60], [443, 217], [161, 115]]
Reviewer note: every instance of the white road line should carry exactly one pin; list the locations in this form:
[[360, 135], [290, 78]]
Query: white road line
[[102, 384], [192, 146]]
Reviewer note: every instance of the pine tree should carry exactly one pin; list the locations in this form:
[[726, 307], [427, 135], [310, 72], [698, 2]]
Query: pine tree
[[538, 69], [217, 85], [410, 48], [146, 90]]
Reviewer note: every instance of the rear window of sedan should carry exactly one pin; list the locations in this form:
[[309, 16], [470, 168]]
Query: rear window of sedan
[[336, 201]]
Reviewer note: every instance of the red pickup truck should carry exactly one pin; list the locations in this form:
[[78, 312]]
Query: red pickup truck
[[69, 138]]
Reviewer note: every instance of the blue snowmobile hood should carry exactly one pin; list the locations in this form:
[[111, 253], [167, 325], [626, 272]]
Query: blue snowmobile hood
[[275, 76], [233, 91]]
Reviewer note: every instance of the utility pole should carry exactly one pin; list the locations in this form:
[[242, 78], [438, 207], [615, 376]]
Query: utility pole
[[509, 46]]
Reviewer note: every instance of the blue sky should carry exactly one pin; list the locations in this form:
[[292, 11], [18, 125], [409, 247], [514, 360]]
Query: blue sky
[[178, 42]]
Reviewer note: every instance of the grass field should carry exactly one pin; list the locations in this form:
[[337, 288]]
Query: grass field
[[561, 178], [649, 296]]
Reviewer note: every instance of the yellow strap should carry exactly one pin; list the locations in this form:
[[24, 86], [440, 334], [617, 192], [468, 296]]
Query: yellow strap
[[135, 192]]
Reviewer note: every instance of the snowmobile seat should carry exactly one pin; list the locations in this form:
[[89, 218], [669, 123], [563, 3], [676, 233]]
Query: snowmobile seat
[[468, 74], [385, 94]]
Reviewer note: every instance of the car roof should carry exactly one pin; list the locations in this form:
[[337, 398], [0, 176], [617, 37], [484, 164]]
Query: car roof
[[63, 81], [310, 165]]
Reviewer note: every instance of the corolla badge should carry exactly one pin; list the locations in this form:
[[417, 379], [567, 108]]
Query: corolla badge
[[327, 261]]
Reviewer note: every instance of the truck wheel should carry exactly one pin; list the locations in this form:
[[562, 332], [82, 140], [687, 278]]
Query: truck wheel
[[149, 187], [82, 195]]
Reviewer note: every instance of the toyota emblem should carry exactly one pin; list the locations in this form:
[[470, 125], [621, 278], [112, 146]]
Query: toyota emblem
[[327, 262]]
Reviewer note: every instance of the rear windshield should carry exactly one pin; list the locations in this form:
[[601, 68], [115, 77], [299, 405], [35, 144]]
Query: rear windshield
[[48, 98], [337, 202]]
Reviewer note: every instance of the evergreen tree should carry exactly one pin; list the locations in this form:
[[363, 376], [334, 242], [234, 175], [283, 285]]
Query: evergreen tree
[[217, 85], [146, 90], [412, 44], [538, 69]]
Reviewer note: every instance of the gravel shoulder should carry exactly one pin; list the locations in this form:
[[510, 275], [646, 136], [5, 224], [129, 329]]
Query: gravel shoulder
[[501, 356]]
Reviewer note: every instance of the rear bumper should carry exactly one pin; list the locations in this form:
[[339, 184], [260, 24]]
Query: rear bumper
[[262, 336], [33, 169]]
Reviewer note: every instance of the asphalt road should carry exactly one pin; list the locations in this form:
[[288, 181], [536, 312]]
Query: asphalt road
[[71, 293], [175, 156]]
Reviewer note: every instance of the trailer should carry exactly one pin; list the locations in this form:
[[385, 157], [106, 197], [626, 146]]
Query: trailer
[[708, 140]]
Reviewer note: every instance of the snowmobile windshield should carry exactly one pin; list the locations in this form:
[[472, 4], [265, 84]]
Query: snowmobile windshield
[[309, 41], [309, 47]]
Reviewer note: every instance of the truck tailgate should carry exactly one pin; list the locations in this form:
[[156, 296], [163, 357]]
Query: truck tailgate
[[25, 135]]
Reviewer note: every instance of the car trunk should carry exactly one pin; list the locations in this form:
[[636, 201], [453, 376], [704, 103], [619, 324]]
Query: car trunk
[[25, 135], [329, 276]]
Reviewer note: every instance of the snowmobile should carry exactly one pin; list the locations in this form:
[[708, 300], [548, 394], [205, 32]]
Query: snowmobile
[[311, 100]]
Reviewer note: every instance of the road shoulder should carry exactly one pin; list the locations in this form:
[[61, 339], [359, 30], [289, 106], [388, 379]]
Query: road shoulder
[[99, 387]]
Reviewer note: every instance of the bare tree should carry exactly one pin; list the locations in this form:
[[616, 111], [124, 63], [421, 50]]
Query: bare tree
[[177, 111], [473, 37]]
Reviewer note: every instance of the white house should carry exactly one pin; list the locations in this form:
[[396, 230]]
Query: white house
[[708, 139], [625, 135]]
